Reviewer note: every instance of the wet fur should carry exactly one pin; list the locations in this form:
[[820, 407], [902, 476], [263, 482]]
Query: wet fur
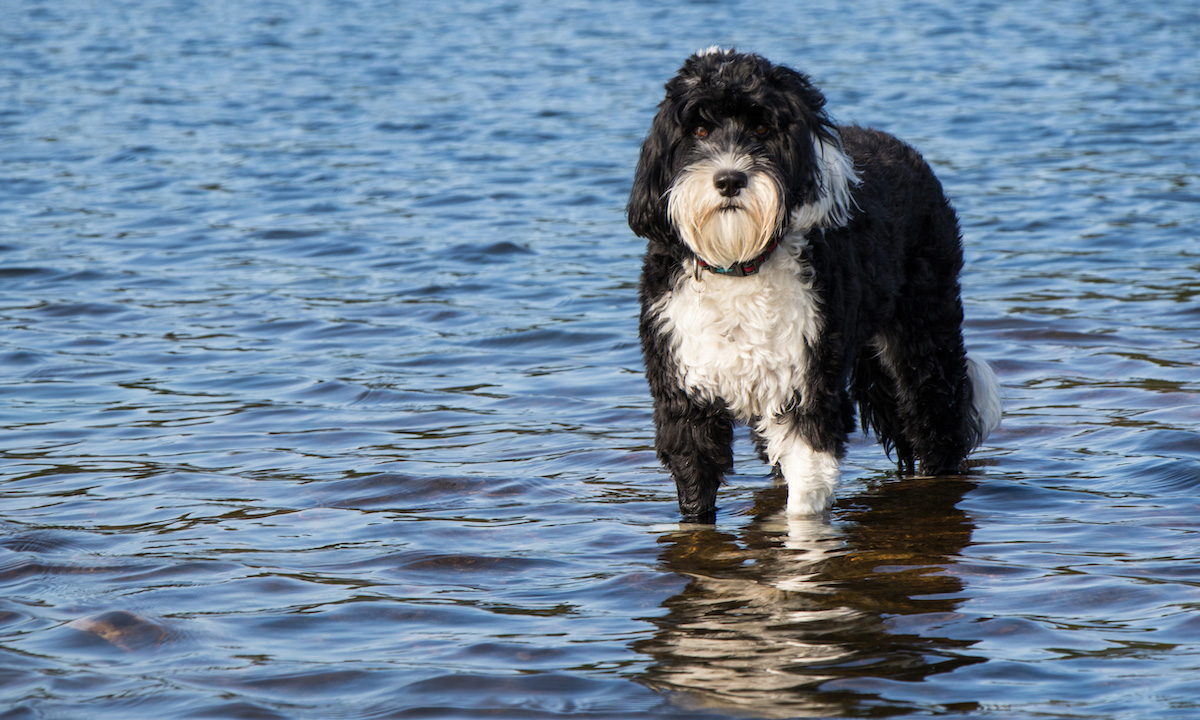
[[859, 306]]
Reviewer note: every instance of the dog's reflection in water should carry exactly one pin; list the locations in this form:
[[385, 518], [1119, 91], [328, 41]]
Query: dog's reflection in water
[[781, 619]]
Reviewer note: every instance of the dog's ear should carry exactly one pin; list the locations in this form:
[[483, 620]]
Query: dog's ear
[[799, 88], [647, 209], [807, 125]]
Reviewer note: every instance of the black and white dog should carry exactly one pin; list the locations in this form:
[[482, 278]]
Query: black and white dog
[[795, 268]]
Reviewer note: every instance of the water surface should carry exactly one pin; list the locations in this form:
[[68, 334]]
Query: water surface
[[322, 398]]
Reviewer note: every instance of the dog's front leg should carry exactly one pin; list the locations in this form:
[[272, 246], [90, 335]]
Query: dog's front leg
[[811, 473], [695, 443]]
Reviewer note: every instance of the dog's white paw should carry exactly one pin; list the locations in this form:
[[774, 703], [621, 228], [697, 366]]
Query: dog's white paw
[[811, 475], [807, 502], [811, 479]]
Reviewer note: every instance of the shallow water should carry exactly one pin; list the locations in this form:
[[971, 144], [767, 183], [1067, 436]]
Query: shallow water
[[322, 397]]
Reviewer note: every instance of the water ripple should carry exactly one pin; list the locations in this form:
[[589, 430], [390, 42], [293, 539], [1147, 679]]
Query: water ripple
[[323, 397]]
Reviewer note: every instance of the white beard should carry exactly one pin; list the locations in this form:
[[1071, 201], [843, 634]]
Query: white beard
[[723, 236], [726, 231]]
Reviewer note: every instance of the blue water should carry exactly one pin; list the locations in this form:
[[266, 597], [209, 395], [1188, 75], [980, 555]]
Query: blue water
[[321, 394]]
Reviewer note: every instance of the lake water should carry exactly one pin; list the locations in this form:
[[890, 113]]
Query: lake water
[[321, 394]]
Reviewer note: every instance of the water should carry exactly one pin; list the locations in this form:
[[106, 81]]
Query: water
[[321, 394]]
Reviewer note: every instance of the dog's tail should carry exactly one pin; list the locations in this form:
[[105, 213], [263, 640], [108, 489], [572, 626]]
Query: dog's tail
[[986, 406]]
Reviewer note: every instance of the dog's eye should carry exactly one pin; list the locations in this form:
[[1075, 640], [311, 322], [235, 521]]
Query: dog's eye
[[761, 131], [700, 131]]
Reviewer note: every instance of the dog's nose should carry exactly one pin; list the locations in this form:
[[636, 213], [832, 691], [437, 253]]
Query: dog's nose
[[730, 182]]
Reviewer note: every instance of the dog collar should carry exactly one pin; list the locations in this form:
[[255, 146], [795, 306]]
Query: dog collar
[[741, 269]]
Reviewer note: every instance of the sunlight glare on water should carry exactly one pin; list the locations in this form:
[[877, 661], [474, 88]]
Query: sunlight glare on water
[[322, 395]]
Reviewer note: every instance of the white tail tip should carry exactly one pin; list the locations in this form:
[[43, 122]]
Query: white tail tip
[[986, 406]]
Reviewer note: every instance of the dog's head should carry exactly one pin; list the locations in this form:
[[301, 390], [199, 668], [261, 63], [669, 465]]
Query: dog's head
[[740, 151]]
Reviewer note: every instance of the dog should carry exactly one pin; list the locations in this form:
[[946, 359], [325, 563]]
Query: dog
[[795, 269]]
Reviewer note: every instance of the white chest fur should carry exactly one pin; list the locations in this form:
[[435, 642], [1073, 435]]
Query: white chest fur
[[744, 339]]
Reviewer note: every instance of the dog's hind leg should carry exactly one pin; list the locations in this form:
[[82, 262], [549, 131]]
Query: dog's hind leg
[[760, 446], [873, 388], [925, 357]]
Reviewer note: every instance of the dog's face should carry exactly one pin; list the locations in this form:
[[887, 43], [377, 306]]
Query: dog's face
[[740, 151]]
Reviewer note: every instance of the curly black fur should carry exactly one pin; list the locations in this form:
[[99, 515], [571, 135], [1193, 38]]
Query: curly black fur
[[885, 279]]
